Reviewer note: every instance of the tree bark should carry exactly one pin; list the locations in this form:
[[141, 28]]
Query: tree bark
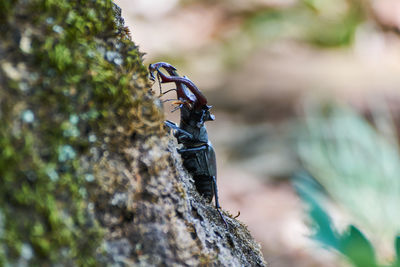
[[88, 174]]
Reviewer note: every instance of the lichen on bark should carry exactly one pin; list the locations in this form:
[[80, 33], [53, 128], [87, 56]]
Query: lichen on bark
[[88, 175]]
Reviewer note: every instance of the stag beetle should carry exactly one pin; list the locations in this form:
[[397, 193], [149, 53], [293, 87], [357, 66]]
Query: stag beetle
[[197, 153]]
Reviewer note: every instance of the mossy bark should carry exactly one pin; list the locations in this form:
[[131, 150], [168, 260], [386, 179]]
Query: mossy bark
[[88, 175]]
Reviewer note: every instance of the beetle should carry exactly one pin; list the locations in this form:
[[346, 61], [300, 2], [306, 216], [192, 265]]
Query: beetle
[[198, 154]]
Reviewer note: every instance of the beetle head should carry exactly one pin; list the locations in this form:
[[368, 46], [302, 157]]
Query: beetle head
[[196, 117], [156, 67], [187, 91]]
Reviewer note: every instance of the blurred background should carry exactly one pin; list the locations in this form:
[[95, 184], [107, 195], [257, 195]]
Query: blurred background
[[305, 94]]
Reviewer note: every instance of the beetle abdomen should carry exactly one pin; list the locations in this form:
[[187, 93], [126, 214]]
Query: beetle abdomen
[[204, 185]]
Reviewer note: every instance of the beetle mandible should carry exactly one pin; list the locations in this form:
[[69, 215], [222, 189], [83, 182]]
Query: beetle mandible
[[197, 153]]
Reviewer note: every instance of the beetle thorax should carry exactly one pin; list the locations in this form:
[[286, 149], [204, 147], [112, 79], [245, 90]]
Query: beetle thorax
[[192, 121]]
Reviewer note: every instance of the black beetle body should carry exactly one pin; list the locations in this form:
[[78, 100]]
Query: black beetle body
[[197, 152]]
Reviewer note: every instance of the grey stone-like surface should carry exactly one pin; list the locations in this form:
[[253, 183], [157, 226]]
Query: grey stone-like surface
[[162, 220]]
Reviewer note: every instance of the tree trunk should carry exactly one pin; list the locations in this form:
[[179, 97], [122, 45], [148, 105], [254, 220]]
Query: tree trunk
[[88, 175]]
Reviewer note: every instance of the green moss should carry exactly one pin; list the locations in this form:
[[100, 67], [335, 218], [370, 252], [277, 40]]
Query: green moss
[[82, 77]]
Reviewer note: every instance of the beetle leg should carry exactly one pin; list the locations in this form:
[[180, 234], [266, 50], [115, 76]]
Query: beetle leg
[[163, 93], [169, 99], [217, 201], [172, 125], [159, 82], [176, 108]]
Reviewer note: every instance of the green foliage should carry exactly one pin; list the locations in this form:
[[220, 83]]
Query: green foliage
[[357, 248], [352, 243], [306, 188], [396, 263], [357, 166], [323, 23], [5, 9]]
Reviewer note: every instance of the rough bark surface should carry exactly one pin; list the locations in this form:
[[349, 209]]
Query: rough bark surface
[[88, 175]]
